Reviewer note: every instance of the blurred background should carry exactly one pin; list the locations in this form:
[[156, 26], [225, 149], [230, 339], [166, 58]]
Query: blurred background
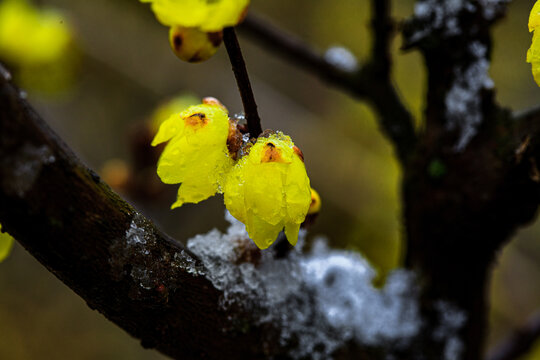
[[121, 68]]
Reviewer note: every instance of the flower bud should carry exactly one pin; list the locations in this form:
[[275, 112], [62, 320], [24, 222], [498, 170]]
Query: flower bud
[[268, 190], [193, 45]]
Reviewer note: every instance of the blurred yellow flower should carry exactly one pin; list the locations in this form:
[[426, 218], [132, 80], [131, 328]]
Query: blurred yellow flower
[[533, 55], [268, 190], [315, 205], [6, 243], [196, 155], [207, 16], [29, 36]]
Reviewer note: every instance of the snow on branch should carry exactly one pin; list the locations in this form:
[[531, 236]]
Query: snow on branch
[[464, 99], [448, 18], [319, 301]]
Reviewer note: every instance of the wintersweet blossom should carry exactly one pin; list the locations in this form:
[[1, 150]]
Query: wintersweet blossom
[[268, 190], [533, 55], [193, 45], [196, 154]]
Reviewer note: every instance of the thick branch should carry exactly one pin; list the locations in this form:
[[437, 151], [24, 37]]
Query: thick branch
[[465, 192], [382, 31], [519, 342], [102, 248], [366, 83], [242, 79]]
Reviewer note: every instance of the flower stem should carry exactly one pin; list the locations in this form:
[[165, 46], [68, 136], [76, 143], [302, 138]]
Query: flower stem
[[242, 80]]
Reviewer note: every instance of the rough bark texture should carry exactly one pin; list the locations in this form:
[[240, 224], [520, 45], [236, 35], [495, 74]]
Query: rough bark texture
[[99, 246], [457, 219]]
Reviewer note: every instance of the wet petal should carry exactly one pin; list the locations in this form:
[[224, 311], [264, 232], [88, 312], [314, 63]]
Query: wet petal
[[534, 17]]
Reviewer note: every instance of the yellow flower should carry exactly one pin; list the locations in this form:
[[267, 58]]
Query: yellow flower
[[207, 16], [197, 154], [6, 242], [193, 45], [29, 36], [268, 190], [533, 55]]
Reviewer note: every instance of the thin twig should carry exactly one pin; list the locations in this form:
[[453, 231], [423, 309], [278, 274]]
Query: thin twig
[[519, 342], [295, 50], [365, 83], [242, 80]]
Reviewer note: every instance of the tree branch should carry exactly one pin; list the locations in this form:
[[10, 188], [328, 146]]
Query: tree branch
[[242, 79], [138, 277], [102, 248], [395, 120], [519, 342], [382, 31]]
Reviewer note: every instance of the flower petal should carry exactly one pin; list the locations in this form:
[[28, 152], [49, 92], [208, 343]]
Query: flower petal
[[262, 233], [533, 56], [534, 17], [169, 128], [291, 232], [205, 15]]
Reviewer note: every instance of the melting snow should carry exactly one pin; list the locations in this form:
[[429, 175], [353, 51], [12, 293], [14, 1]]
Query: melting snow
[[443, 15], [451, 320], [136, 254], [463, 101], [439, 15], [341, 58], [319, 301]]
